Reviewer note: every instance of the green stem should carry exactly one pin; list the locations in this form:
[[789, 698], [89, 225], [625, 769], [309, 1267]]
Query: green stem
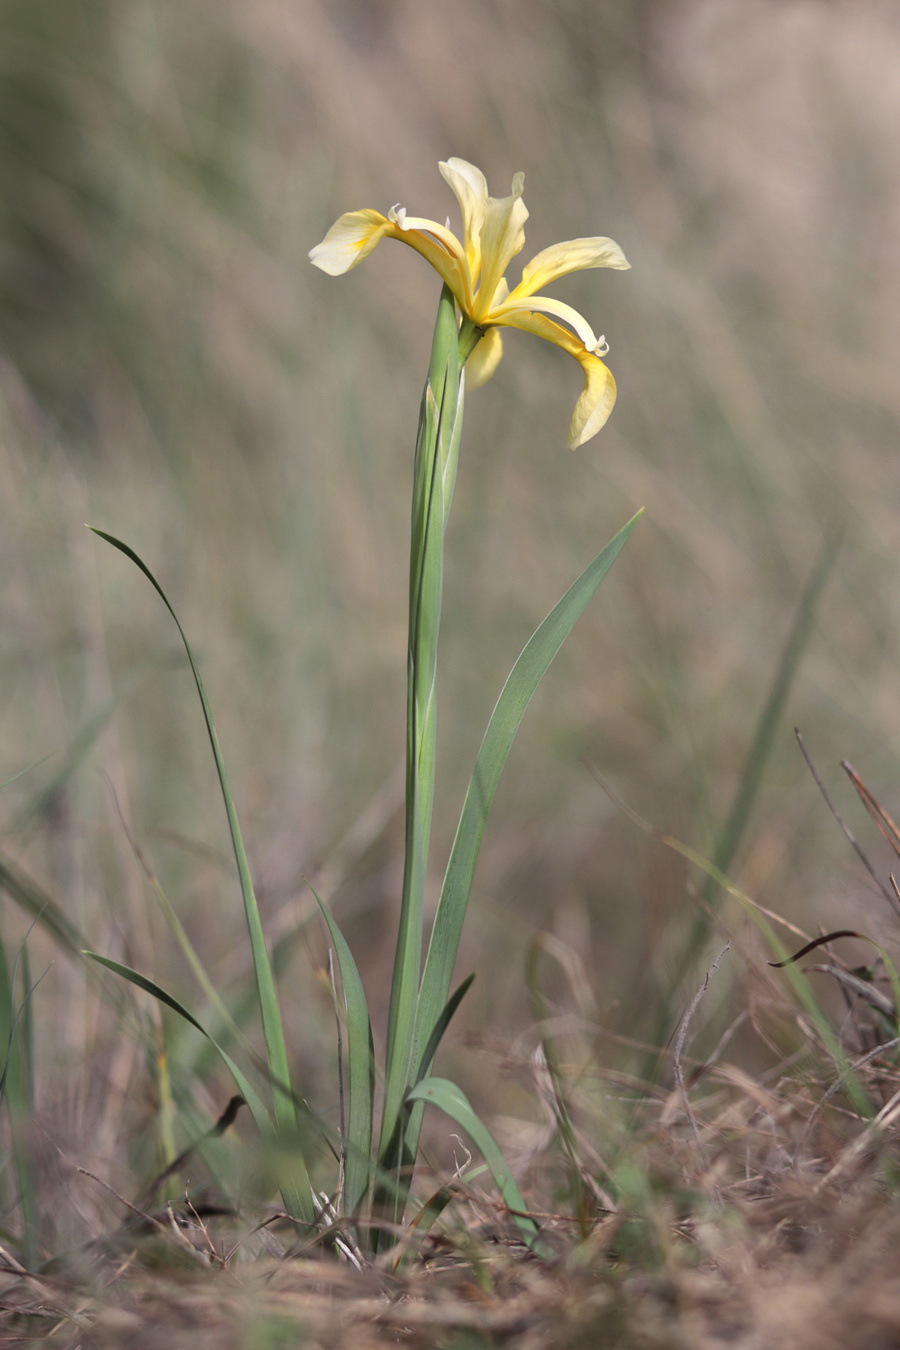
[[437, 450]]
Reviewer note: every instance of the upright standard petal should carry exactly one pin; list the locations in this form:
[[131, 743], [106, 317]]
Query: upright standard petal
[[575, 255], [470, 188], [502, 237], [349, 240]]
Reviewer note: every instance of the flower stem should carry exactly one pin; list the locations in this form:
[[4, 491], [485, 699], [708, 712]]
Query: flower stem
[[437, 450]]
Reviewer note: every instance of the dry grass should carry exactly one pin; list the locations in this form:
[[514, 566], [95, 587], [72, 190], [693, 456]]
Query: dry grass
[[713, 1208], [764, 1215]]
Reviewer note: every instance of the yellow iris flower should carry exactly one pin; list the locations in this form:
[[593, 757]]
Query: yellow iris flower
[[474, 270]]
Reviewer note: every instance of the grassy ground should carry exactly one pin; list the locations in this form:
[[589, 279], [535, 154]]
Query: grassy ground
[[173, 370]]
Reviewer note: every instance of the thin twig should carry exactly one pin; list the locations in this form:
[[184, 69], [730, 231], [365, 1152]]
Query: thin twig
[[681, 1037], [885, 1118], [136, 1211], [839, 1081], [855, 845]]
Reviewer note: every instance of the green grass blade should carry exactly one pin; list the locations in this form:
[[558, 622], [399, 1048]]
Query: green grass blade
[[448, 1098], [29, 896], [523, 680], [795, 975], [732, 831], [16, 1089], [28, 769], [188, 949], [257, 1107], [361, 1076], [285, 1113], [294, 1183]]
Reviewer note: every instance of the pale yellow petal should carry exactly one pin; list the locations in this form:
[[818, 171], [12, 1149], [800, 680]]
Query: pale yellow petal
[[470, 186], [502, 237], [432, 241], [484, 359], [599, 393], [595, 404], [544, 304], [575, 255], [349, 240]]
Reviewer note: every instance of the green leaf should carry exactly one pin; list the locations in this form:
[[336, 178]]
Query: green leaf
[[294, 1187], [276, 1051], [254, 1101], [523, 680], [448, 1098], [361, 1061], [16, 1089], [39, 905], [442, 1024]]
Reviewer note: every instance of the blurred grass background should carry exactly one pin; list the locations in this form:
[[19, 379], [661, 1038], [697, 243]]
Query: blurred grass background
[[173, 370]]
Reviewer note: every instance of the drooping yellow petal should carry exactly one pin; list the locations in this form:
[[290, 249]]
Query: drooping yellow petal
[[484, 359], [599, 393], [502, 237], [349, 240], [596, 401], [470, 187], [575, 255]]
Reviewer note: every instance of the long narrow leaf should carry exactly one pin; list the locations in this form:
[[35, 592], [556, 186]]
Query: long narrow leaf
[[285, 1113], [523, 680], [442, 1024], [293, 1183], [16, 1089], [361, 1061], [257, 1107], [447, 1096], [36, 902]]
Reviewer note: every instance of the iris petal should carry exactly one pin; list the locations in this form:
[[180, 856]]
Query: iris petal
[[502, 237], [575, 255], [484, 359], [544, 304], [470, 187], [599, 393], [349, 240], [442, 249], [596, 401]]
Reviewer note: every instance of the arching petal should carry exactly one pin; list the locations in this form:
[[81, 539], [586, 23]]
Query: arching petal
[[432, 240], [349, 240], [575, 255], [502, 237], [543, 304], [599, 393], [484, 359], [470, 186]]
